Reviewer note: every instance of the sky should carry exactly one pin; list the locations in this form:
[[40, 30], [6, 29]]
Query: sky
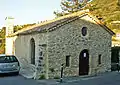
[[28, 11]]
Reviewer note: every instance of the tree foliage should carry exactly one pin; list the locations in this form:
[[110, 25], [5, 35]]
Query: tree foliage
[[2, 40], [70, 6]]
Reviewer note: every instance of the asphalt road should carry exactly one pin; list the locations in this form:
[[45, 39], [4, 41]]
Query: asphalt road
[[107, 79], [16, 80], [112, 78]]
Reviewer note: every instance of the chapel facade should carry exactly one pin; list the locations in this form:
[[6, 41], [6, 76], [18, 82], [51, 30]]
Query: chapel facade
[[79, 41]]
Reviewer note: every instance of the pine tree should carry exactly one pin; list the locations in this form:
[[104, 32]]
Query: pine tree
[[70, 6]]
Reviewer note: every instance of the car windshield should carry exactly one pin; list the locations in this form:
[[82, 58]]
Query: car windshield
[[7, 59]]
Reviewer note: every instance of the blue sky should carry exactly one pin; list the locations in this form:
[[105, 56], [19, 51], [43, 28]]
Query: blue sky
[[27, 11]]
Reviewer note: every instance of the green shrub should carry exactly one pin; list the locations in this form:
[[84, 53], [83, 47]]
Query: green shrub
[[42, 76], [56, 77]]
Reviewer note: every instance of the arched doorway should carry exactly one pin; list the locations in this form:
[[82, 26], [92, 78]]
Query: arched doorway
[[84, 62], [32, 51]]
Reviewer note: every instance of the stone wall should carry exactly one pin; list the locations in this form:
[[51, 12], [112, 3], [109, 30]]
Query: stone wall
[[22, 51], [67, 40]]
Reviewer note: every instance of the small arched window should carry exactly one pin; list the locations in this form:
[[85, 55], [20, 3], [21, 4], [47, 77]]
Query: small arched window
[[32, 51], [84, 31]]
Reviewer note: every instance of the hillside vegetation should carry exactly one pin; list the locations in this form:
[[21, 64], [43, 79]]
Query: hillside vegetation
[[108, 11], [2, 40]]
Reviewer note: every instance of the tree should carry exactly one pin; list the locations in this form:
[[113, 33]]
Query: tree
[[2, 40], [70, 6]]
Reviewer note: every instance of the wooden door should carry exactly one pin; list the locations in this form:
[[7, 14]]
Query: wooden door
[[84, 62]]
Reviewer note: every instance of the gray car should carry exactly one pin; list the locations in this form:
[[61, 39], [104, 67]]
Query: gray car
[[9, 64]]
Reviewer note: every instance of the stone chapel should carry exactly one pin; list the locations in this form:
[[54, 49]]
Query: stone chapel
[[79, 41]]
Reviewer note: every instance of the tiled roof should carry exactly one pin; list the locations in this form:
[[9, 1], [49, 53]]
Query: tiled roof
[[55, 23]]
